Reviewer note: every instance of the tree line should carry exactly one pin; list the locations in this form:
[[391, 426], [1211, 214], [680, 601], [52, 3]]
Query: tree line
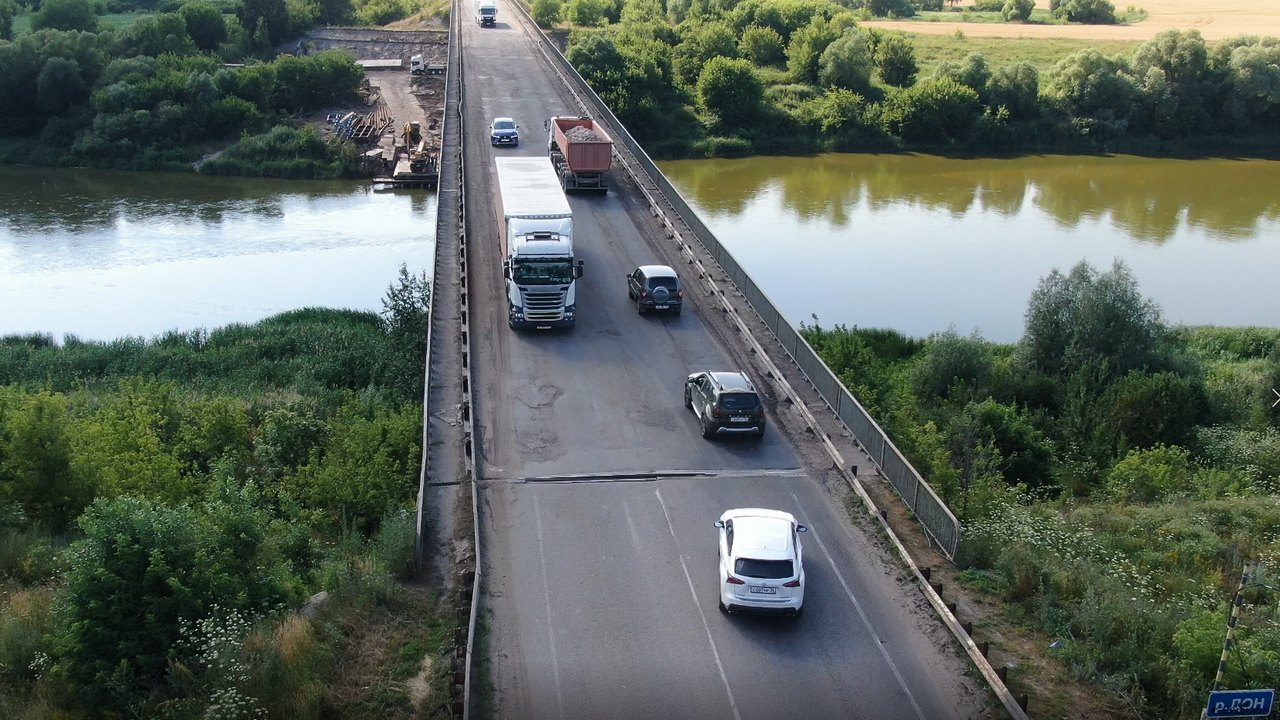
[[181, 82], [801, 75], [1111, 474]]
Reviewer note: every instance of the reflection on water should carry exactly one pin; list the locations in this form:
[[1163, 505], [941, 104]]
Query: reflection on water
[[102, 254], [919, 243]]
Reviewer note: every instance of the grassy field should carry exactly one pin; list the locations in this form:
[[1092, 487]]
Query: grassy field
[[1043, 53], [1214, 19]]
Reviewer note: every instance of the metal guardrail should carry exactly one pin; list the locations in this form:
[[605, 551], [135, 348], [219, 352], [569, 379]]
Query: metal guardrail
[[937, 519]]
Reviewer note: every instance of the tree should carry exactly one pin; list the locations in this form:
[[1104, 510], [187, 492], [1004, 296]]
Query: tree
[[65, 15], [1173, 69], [596, 57], [701, 43], [160, 34], [405, 316], [1090, 84], [730, 90], [1253, 73], [761, 45], [891, 8], [1089, 319], [546, 12], [35, 459], [809, 42], [1015, 88], [205, 24], [1089, 12], [847, 63], [896, 60], [1017, 10], [267, 19], [973, 72], [369, 465], [950, 361], [8, 8], [59, 86], [588, 13]]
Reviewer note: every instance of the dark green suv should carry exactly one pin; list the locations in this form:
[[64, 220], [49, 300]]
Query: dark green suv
[[725, 402]]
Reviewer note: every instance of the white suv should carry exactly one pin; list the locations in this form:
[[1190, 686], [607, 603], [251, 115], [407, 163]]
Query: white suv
[[761, 562]]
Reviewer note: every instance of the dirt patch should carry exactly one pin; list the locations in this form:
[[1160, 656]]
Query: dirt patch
[[1215, 19]]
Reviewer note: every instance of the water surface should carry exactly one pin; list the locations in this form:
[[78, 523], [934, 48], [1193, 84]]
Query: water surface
[[101, 255], [920, 243]]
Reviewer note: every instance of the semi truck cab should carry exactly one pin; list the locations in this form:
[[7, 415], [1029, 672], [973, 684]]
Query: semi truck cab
[[487, 14]]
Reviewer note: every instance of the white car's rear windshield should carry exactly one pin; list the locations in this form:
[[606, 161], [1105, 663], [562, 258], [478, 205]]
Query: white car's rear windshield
[[767, 569]]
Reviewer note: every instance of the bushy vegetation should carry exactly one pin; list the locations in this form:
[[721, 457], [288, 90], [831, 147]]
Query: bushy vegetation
[[1112, 476], [166, 507], [650, 72]]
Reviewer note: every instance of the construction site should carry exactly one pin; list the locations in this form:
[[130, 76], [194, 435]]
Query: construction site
[[397, 125]]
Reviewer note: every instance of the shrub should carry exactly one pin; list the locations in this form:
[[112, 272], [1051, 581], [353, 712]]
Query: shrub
[[1145, 409], [1146, 476], [762, 45], [1088, 12], [896, 61], [730, 90], [1017, 10], [546, 12], [936, 111], [950, 361]]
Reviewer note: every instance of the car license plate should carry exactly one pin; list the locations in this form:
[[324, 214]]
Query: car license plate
[[764, 590], [659, 307], [738, 418]]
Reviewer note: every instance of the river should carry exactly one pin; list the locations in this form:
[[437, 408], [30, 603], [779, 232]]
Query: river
[[909, 242], [922, 243], [101, 255]]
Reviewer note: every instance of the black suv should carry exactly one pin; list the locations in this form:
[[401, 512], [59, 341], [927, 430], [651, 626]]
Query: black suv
[[725, 402], [655, 287]]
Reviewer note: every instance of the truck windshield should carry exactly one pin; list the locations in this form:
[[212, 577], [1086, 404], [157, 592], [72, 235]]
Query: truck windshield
[[542, 272]]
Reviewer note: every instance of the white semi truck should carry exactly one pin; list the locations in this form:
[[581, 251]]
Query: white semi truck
[[535, 229]]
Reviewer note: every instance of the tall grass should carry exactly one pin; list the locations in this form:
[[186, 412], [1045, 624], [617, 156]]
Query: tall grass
[[306, 349]]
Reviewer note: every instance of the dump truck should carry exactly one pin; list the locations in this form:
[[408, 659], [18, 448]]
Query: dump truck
[[535, 230], [581, 152]]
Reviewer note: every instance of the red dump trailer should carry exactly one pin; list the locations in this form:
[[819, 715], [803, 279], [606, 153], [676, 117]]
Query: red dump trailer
[[581, 152]]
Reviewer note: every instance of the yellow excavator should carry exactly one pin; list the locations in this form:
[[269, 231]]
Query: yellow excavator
[[421, 159]]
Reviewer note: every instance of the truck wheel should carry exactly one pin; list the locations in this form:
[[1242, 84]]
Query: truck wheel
[[639, 307], [688, 399]]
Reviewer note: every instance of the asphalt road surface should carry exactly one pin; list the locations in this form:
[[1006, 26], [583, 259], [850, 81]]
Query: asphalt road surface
[[598, 494]]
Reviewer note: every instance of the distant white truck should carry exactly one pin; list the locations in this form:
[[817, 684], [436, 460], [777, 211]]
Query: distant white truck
[[419, 66], [535, 229], [487, 14]]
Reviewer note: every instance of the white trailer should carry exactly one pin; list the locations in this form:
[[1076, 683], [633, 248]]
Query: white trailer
[[535, 232]]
